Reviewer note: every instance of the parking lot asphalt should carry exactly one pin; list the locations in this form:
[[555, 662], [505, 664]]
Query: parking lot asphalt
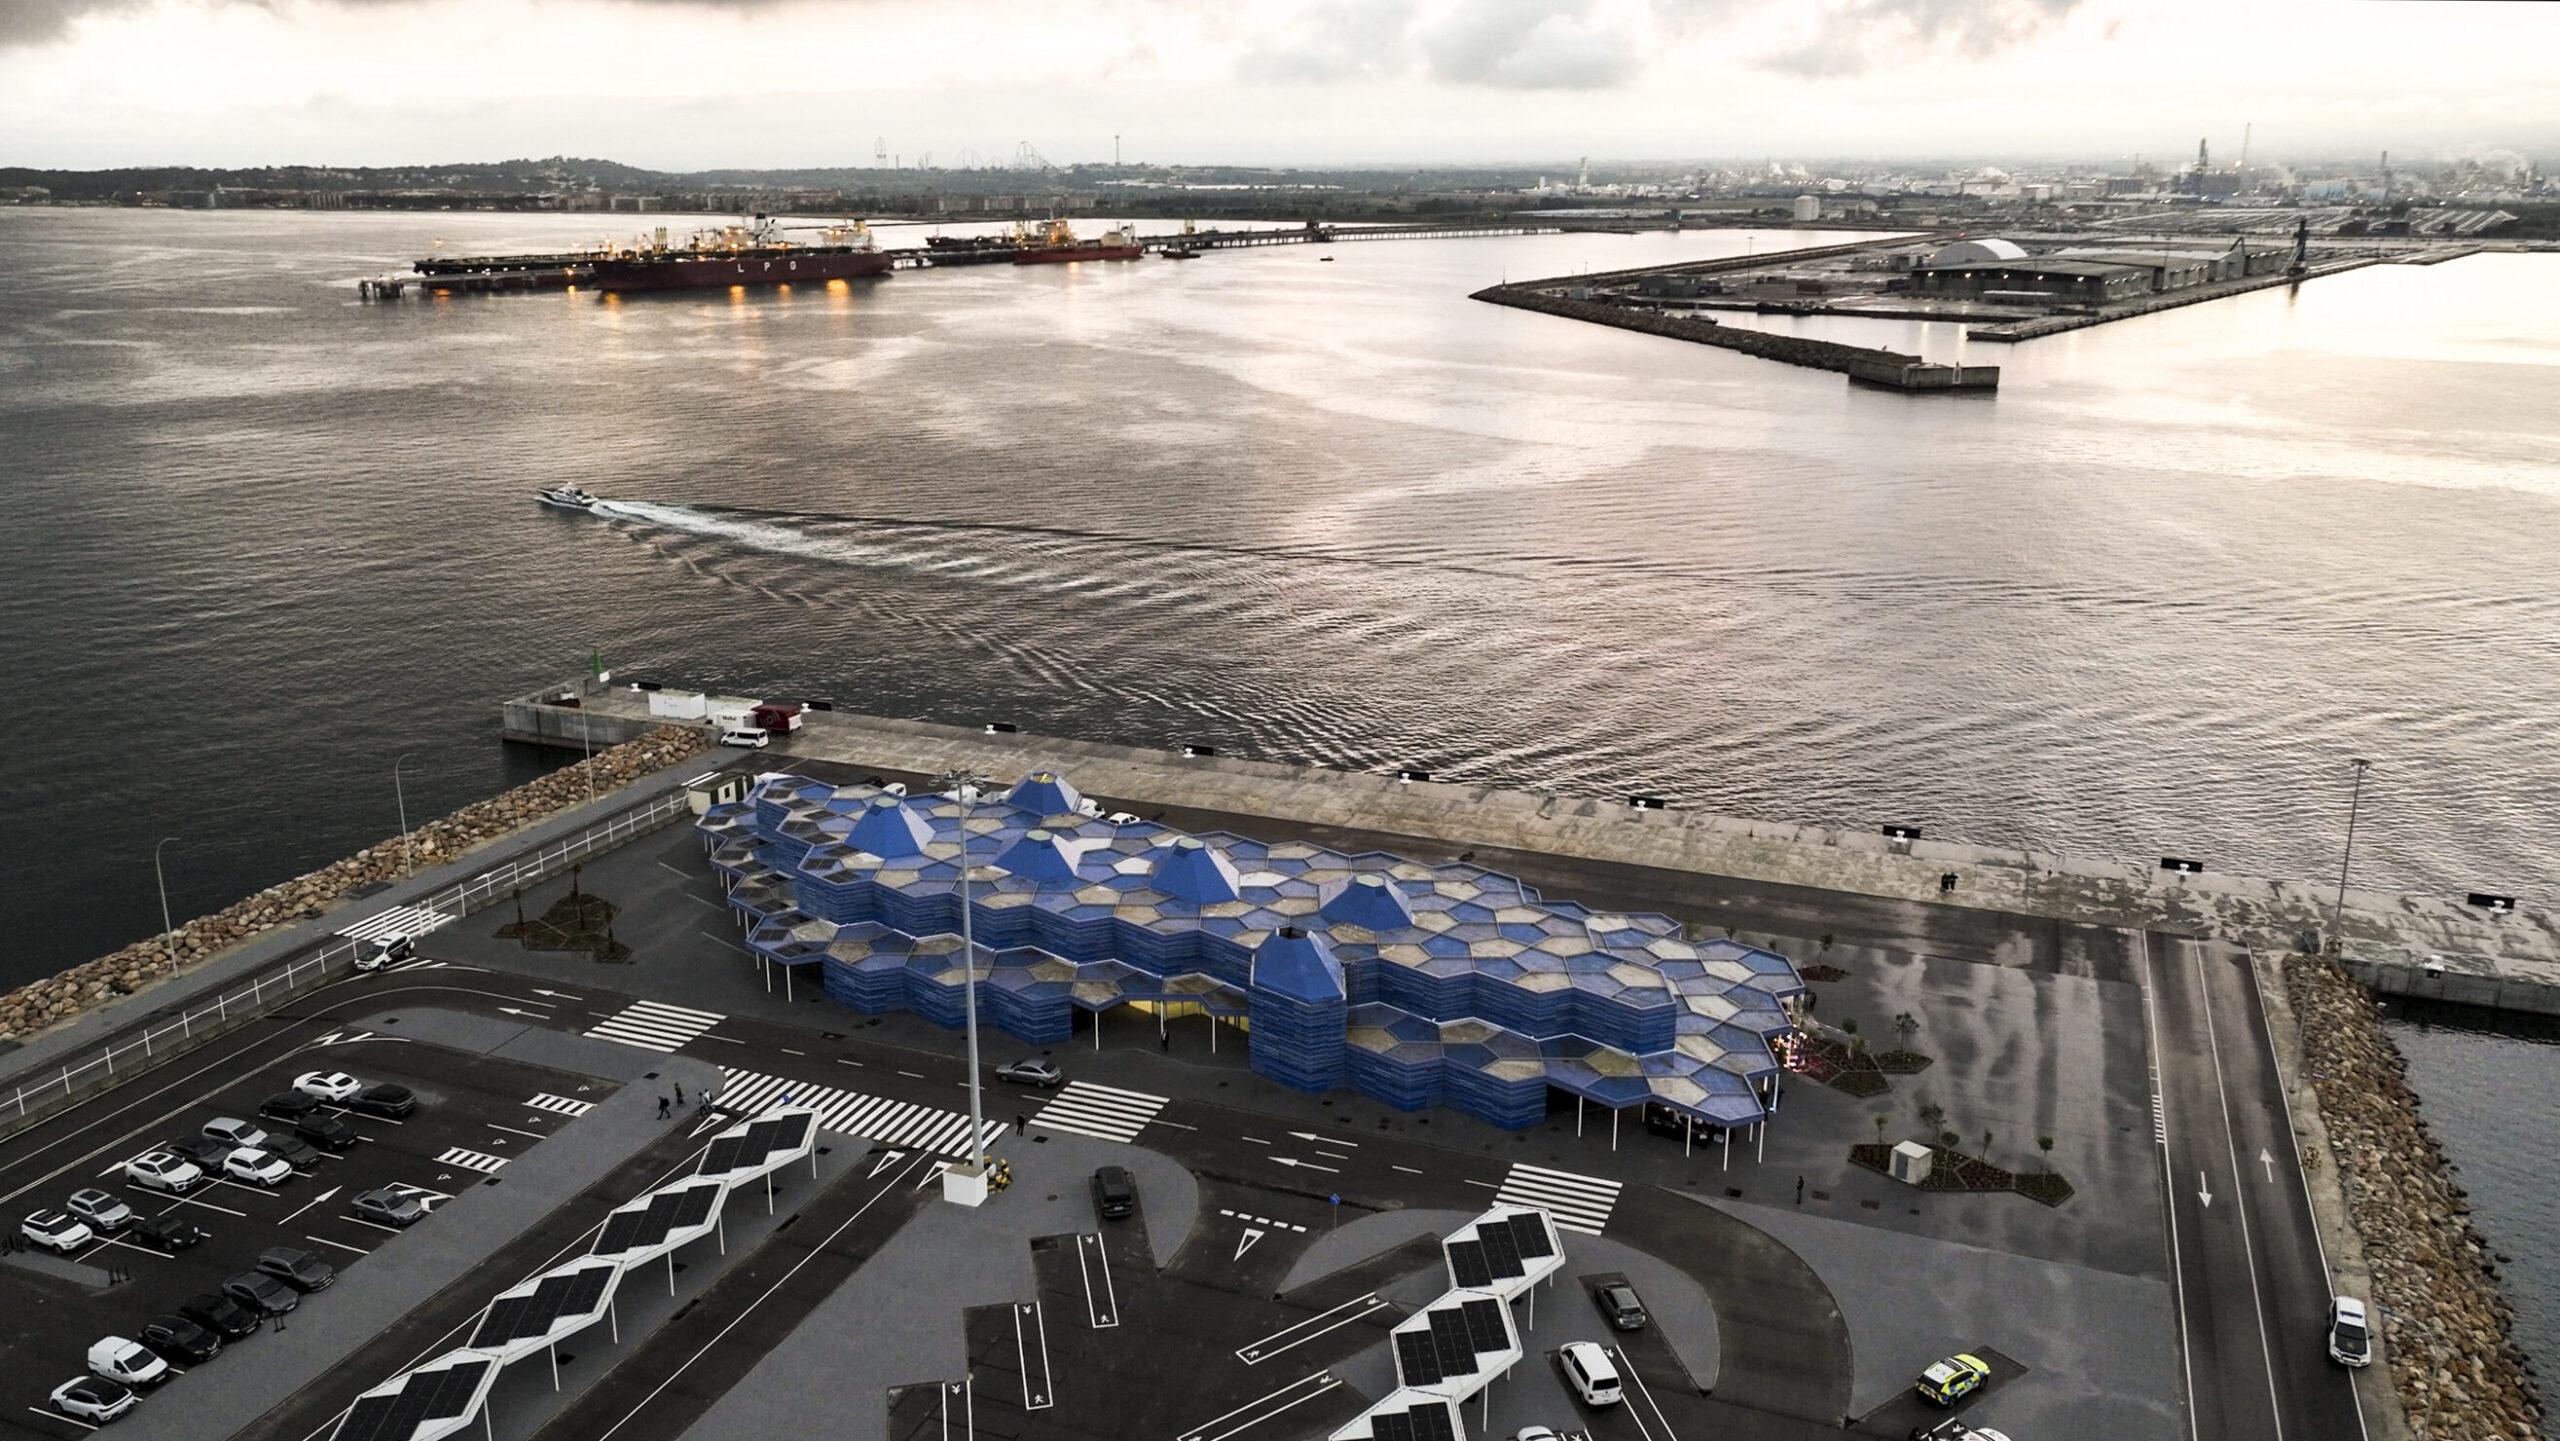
[[475, 1114]]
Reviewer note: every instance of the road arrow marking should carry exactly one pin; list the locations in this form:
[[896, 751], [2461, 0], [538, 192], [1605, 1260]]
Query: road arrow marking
[[563, 995], [528, 1015], [314, 1201], [1309, 1165], [1322, 1140], [2202, 1193], [2269, 1162], [887, 1159], [1251, 1235]]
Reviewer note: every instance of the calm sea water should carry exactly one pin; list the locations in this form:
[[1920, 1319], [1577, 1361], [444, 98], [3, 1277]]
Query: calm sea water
[[2492, 1097], [258, 541]]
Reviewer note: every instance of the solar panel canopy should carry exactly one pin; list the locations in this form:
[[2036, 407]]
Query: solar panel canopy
[[662, 1221], [1455, 1344], [768, 1143], [431, 1402], [1405, 1415], [1505, 1251], [545, 1309]]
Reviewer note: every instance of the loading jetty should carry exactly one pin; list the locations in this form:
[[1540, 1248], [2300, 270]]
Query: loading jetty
[[500, 274], [1618, 297]]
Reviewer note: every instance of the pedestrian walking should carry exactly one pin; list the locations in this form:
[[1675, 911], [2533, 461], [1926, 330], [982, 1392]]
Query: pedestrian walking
[[1799, 1190], [1019, 1121], [663, 1112], [679, 1093]]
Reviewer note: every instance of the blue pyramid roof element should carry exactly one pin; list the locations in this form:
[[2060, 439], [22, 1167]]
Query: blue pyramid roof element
[[1299, 965], [1045, 793], [1040, 855], [1191, 870], [1368, 901], [889, 830]]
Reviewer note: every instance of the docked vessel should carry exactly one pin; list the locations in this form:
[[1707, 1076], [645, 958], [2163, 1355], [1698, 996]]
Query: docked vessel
[[1056, 244], [566, 497], [751, 254]]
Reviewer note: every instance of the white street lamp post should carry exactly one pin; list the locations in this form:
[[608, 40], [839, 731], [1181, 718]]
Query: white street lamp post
[[168, 932], [2338, 917], [406, 868], [964, 789]]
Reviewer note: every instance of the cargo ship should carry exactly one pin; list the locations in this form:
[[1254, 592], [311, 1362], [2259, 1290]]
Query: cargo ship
[[1056, 244], [750, 254]]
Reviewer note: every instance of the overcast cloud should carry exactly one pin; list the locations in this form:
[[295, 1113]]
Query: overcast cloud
[[689, 84]]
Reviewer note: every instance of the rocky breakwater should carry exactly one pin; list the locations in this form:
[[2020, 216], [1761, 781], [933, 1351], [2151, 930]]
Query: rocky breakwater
[[39, 1004], [2435, 1280]]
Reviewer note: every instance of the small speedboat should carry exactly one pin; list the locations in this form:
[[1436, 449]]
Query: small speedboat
[[566, 497]]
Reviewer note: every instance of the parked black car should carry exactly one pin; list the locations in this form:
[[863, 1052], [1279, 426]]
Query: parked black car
[[166, 1233], [179, 1341], [221, 1315], [1115, 1192], [261, 1293], [327, 1132], [298, 1153], [384, 1099], [299, 1269], [288, 1106], [205, 1151]]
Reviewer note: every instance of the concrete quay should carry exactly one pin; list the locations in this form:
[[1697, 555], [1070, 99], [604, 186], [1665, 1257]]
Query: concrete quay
[[2417, 945]]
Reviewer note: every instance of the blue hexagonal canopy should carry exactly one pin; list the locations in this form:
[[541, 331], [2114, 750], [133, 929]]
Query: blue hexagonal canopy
[[889, 830], [1041, 855], [1045, 793], [1192, 870], [1370, 901], [1297, 964]]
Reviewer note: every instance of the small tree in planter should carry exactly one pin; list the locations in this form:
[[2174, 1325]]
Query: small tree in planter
[[2045, 1144], [1882, 1120], [1906, 1025]]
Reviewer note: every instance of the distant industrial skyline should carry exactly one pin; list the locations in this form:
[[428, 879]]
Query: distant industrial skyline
[[693, 84]]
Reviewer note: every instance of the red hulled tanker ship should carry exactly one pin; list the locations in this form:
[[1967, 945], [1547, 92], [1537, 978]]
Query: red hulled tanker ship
[[1057, 244], [753, 254]]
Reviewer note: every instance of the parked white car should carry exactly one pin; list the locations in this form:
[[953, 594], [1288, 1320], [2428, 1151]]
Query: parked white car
[[164, 1171], [2350, 1335], [127, 1363], [92, 1398], [262, 1168], [327, 1085], [57, 1231]]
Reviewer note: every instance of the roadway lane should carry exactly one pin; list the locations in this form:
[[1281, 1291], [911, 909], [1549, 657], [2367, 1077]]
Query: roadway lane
[[2252, 1281]]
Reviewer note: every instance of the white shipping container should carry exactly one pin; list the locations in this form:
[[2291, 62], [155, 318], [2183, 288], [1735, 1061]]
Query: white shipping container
[[678, 704]]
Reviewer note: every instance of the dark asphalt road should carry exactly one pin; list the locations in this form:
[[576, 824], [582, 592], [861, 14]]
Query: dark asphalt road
[[2252, 1285]]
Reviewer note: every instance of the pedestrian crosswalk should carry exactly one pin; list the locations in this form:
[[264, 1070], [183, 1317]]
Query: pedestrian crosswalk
[[653, 1026], [1105, 1111], [894, 1123], [1578, 1203], [565, 1105], [399, 920], [480, 1161]]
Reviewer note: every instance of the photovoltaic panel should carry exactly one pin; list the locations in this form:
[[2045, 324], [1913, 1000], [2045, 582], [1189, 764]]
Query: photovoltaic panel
[[1530, 1230], [1433, 1422], [428, 1396], [1393, 1428], [1417, 1359], [1449, 1337], [1501, 1252], [667, 1211], [1467, 1265], [1484, 1325], [694, 1206]]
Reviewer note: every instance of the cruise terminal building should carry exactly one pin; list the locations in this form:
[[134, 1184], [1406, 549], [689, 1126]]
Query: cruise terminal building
[[1418, 985]]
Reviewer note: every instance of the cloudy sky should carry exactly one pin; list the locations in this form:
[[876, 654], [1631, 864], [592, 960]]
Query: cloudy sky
[[683, 84]]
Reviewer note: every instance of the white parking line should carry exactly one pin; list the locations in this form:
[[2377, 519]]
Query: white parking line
[[208, 1205], [52, 1415], [1254, 1353], [341, 1245], [1627, 1368], [1323, 1381]]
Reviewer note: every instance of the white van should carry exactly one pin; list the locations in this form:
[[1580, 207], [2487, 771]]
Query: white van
[[746, 737], [1588, 1369], [127, 1363]]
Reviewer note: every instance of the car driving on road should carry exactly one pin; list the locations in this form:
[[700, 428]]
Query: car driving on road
[[2350, 1336], [1031, 1071], [382, 952]]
